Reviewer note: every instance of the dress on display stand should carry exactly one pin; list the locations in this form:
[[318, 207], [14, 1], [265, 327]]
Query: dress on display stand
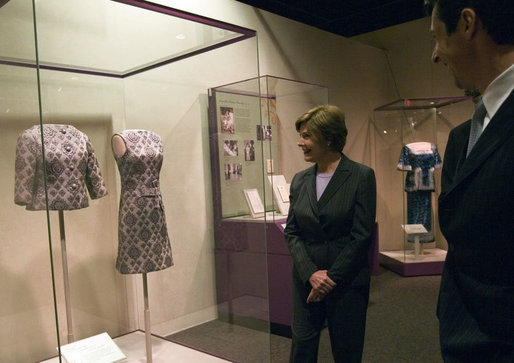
[[144, 244], [71, 172], [420, 159]]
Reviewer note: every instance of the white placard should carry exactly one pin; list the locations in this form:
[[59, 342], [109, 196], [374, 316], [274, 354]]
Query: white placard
[[269, 166], [254, 202], [96, 349], [280, 193], [283, 191], [414, 228], [277, 179]]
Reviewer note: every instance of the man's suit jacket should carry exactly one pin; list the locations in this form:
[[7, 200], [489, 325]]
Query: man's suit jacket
[[476, 215], [71, 167], [334, 233]]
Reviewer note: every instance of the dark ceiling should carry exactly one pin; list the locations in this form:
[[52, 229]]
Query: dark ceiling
[[345, 17]]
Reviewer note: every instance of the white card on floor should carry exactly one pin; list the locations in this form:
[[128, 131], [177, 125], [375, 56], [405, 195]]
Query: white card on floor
[[96, 349]]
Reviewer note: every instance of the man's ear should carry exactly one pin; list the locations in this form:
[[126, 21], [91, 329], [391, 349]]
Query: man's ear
[[468, 23]]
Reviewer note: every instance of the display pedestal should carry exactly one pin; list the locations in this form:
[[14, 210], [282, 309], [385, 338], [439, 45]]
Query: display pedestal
[[280, 267], [253, 280], [148, 326], [254, 284], [408, 148], [66, 278], [418, 247], [428, 262]]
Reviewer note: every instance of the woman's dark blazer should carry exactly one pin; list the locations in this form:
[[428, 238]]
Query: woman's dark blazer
[[334, 233]]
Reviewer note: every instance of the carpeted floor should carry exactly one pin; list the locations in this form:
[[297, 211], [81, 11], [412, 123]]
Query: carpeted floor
[[401, 327]]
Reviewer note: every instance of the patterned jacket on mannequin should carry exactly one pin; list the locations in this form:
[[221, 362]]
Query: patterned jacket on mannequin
[[72, 169]]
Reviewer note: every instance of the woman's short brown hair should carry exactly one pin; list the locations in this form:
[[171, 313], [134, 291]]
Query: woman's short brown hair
[[326, 122]]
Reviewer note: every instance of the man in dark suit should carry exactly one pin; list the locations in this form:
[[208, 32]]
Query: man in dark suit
[[329, 230], [475, 40]]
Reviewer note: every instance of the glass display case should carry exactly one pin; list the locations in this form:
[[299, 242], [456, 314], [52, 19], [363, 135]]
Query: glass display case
[[72, 74], [410, 137], [254, 156]]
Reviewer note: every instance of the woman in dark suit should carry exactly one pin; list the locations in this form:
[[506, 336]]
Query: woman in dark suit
[[329, 230]]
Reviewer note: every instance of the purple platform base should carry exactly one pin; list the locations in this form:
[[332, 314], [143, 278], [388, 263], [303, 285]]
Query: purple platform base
[[254, 273], [406, 268]]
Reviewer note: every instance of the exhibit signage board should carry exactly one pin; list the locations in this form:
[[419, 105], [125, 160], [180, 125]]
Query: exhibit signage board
[[243, 142]]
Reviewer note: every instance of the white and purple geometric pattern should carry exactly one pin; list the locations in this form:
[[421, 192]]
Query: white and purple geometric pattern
[[72, 169], [144, 245]]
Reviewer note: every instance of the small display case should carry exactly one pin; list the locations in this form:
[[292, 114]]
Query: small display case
[[410, 136], [254, 156]]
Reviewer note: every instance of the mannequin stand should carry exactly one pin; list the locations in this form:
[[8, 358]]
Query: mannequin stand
[[416, 230], [148, 333], [65, 276], [418, 247]]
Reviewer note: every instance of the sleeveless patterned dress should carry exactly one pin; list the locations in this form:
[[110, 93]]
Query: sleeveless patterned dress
[[144, 245]]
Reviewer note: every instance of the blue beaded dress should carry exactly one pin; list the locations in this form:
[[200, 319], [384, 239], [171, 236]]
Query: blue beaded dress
[[420, 159]]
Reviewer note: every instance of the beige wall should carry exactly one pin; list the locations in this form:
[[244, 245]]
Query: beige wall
[[172, 101]]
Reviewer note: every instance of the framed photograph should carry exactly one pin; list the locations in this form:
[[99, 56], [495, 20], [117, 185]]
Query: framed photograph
[[230, 148], [227, 120], [249, 150], [264, 132], [254, 202], [233, 171]]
